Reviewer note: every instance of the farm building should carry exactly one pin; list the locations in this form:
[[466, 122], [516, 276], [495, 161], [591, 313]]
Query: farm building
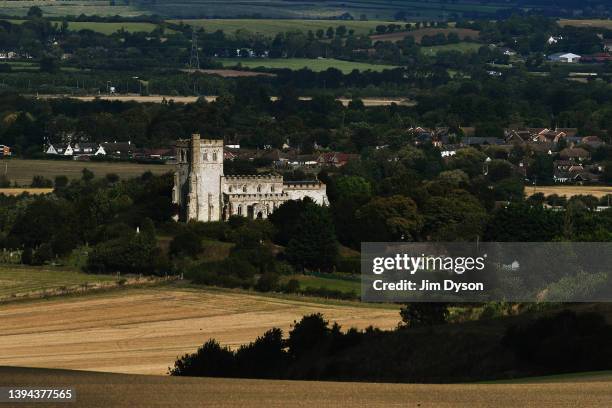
[[566, 57]]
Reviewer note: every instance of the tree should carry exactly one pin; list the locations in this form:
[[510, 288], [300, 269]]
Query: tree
[[457, 216], [35, 12], [424, 314], [314, 244], [49, 65], [186, 243], [389, 219], [87, 175]]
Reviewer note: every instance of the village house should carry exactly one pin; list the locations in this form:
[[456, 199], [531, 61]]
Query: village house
[[564, 57], [575, 154]]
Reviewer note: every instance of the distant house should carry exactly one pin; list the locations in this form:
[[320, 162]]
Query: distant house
[[123, 150], [599, 57], [576, 154], [5, 151], [592, 141], [336, 159], [63, 149], [608, 45], [476, 140], [566, 57]]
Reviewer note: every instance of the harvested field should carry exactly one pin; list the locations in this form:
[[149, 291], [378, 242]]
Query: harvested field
[[144, 330], [19, 191], [569, 191], [372, 101], [120, 390], [587, 23], [22, 171], [418, 35]]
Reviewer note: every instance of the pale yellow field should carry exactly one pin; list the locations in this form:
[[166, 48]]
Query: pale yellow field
[[144, 330], [569, 191], [29, 190], [586, 23], [211, 98], [120, 390]]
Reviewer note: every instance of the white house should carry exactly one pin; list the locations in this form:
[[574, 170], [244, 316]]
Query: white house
[[566, 57]]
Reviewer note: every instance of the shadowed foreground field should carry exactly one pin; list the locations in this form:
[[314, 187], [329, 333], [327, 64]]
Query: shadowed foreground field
[[119, 390], [144, 330]]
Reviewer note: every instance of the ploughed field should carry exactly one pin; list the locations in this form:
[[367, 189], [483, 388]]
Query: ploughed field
[[144, 330], [120, 390]]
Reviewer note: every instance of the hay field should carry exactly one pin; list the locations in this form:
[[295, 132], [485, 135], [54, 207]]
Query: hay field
[[144, 330], [569, 191], [120, 390], [368, 101], [22, 171]]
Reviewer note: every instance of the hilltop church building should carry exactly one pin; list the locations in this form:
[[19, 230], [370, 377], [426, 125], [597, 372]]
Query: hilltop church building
[[204, 193]]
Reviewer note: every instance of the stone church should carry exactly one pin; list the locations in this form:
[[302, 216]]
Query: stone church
[[204, 193]]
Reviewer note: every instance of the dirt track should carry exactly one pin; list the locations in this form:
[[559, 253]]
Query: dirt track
[[144, 330], [117, 390]]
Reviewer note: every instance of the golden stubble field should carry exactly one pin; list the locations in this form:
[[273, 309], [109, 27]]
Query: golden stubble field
[[144, 330], [569, 191]]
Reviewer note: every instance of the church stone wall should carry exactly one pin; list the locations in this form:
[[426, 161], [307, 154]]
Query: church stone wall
[[202, 192]]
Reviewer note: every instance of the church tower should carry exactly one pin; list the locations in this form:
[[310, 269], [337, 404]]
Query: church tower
[[205, 179]]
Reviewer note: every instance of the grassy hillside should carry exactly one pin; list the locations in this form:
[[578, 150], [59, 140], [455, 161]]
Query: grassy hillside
[[297, 63]]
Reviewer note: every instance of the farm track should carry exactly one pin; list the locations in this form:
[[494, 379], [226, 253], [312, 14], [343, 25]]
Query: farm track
[[144, 330]]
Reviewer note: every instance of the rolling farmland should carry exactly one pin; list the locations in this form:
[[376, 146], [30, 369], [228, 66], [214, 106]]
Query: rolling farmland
[[144, 330]]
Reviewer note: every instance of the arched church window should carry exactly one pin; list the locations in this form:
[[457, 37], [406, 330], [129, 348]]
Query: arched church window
[[205, 157], [272, 188], [214, 156], [239, 209], [244, 189], [230, 189], [259, 188]]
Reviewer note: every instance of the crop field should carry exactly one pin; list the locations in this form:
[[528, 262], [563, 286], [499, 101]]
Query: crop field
[[270, 27], [587, 23], [22, 171], [317, 65], [121, 390], [144, 330], [569, 191], [418, 35], [461, 47]]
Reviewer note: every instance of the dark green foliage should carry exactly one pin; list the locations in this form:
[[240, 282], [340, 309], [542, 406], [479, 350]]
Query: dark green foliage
[[186, 243], [564, 342], [313, 244], [424, 314], [211, 360]]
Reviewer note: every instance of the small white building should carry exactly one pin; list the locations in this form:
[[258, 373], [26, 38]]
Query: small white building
[[566, 57]]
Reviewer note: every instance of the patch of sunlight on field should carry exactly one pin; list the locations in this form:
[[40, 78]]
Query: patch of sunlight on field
[[20, 279]]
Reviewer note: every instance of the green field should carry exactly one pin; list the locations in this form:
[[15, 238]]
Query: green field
[[22, 171], [19, 279], [105, 28], [461, 47], [54, 8], [270, 27], [317, 65], [342, 283]]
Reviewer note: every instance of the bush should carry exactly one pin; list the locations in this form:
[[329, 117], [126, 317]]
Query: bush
[[564, 342]]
